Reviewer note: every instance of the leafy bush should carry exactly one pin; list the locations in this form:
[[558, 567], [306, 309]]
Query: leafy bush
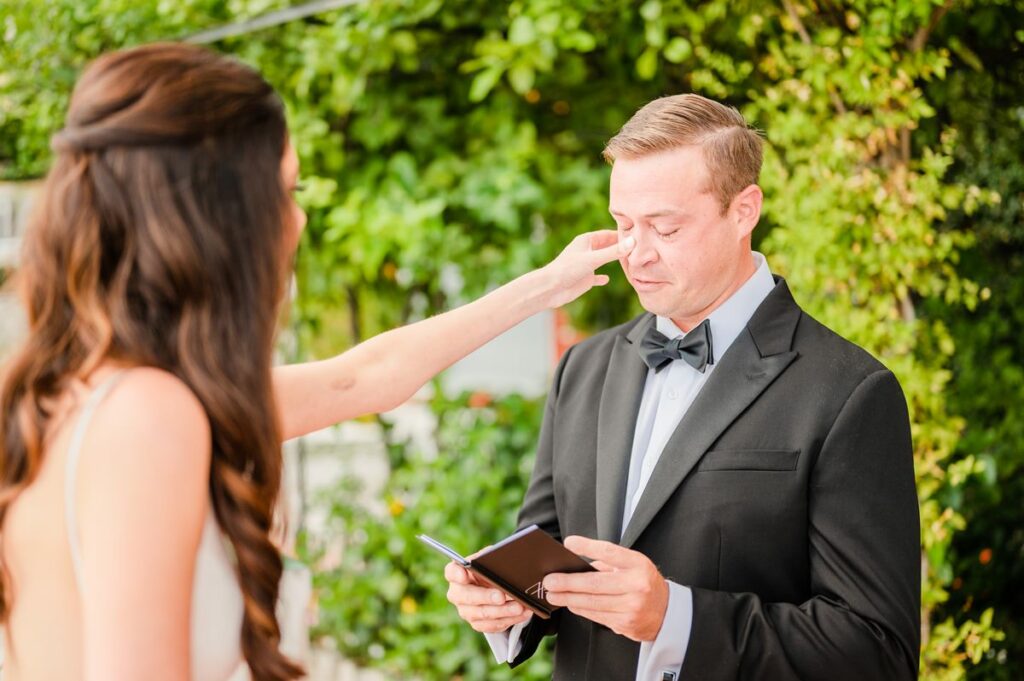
[[384, 604], [987, 555]]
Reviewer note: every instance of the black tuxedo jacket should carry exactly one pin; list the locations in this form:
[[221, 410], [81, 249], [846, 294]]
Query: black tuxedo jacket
[[785, 500]]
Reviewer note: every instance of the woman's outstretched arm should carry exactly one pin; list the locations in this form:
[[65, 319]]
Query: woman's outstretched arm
[[386, 370]]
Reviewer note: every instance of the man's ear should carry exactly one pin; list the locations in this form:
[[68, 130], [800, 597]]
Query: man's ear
[[745, 209]]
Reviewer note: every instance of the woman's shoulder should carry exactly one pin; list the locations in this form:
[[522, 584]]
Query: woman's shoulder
[[151, 401], [149, 391], [150, 425]]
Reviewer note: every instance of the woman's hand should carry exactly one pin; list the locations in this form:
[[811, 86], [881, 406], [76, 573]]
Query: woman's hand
[[571, 274], [381, 373]]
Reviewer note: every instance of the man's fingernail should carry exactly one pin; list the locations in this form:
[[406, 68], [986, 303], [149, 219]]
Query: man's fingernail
[[496, 597]]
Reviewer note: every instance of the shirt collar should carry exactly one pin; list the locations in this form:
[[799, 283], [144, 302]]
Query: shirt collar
[[731, 317]]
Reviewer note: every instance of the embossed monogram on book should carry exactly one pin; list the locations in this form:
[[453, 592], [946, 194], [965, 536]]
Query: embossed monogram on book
[[538, 591]]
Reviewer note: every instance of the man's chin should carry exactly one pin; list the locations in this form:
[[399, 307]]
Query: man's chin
[[655, 304]]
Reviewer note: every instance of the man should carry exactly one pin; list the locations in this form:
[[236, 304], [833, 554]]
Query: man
[[742, 475]]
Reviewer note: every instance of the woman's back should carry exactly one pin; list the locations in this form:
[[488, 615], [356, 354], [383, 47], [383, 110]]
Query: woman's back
[[43, 632], [52, 545]]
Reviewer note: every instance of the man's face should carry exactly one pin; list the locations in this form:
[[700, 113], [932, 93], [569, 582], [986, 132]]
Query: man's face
[[688, 257]]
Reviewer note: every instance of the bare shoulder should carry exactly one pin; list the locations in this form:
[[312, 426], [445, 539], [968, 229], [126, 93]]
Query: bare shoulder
[[155, 405], [150, 390], [153, 424]]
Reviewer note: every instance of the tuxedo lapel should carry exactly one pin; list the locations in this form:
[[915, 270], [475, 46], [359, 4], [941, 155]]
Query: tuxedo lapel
[[755, 359], [616, 423]]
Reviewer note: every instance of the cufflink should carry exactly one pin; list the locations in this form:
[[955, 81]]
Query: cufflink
[[668, 676]]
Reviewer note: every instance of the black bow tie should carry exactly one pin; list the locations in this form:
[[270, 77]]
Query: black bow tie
[[658, 350]]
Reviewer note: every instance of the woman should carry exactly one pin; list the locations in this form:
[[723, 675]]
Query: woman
[[141, 422]]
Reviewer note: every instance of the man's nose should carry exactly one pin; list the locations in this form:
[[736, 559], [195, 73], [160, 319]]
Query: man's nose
[[644, 253]]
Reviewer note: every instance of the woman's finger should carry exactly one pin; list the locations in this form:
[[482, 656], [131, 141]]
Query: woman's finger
[[601, 238], [619, 249]]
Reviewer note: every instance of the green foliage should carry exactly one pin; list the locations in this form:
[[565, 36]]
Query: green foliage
[[454, 163], [45, 45], [383, 602], [987, 556], [452, 145]]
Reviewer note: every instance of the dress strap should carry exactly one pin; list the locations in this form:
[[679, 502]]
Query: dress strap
[[71, 472]]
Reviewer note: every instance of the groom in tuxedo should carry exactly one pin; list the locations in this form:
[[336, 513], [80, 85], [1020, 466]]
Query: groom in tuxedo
[[742, 476]]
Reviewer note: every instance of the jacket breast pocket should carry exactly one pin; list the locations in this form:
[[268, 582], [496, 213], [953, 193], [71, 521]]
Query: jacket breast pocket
[[749, 460]]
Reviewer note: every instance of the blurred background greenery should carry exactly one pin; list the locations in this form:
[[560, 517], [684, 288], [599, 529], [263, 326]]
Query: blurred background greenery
[[450, 145]]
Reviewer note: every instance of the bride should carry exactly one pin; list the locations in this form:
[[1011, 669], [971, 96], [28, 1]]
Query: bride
[[141, 421]]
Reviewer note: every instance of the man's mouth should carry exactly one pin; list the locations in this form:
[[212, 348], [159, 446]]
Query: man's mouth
[[642, 284]]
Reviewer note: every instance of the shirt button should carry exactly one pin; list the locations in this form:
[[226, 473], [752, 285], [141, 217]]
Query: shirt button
[[672, 394]]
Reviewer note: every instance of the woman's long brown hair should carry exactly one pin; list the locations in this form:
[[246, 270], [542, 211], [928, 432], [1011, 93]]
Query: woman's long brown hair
[[159, 240]]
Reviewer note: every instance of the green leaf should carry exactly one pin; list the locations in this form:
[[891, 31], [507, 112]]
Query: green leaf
[[522, 31], [483, 83], [521, 77], [678, 50], [650, 10], [647, 64]]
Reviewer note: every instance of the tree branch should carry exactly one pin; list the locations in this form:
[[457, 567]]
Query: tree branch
[[805, 37], [354, 312], [795, 18], [917, 44], [925, 32], [268, 20]]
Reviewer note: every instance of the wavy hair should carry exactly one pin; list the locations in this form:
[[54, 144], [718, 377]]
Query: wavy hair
[[159, 240]]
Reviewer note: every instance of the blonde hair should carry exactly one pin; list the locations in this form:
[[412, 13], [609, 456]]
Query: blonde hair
[[732, 149]]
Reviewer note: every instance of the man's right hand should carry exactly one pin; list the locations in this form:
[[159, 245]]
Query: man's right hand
[[488, 610]]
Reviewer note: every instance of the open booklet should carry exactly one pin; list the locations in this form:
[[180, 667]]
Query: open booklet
[[518, 565]]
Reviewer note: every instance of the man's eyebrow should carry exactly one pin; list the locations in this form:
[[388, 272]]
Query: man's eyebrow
[[663, 213]]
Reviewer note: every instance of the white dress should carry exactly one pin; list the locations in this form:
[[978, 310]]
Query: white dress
[[217, 605]]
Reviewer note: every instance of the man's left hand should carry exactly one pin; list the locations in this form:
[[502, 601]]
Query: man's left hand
[[627, 594]]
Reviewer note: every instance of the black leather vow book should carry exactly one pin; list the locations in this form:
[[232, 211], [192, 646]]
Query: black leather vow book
[[518, 565]]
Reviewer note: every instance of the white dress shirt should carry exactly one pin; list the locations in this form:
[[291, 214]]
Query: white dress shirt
[[667, 396]]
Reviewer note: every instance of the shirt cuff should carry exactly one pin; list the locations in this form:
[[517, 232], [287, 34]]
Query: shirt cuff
[[662, 658], [506, 644]]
